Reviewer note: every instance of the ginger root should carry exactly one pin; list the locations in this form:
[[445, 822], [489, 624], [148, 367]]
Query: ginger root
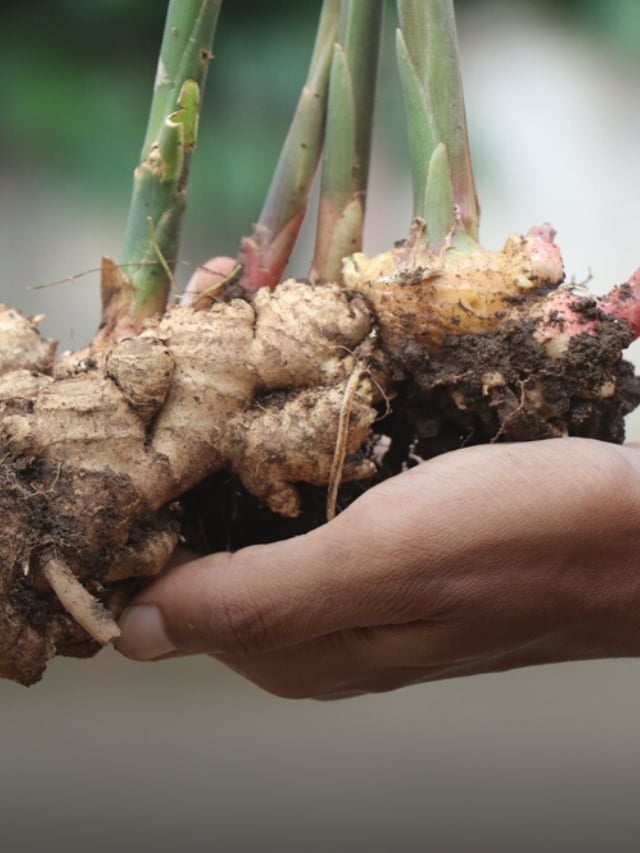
[[432, 350]]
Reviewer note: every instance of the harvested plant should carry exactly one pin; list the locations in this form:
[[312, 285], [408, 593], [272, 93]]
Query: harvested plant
[[258, 408]]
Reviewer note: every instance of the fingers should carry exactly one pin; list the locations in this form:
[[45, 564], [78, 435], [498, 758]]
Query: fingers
[[345, 663], [378, 660], [266, 597]]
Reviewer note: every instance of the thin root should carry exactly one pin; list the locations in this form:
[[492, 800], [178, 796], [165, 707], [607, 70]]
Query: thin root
[[340, 452], [206, 297], [161, 257], [85, 609]]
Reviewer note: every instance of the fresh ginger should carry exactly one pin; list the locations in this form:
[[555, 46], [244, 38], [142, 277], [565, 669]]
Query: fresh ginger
[[433, 350]]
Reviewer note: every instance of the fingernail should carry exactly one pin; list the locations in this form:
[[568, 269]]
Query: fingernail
[[143, 634]]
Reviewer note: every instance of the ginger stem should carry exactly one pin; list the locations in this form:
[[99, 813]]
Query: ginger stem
[[264, 254], [79, 603], [427, 53], [347, 144], [160, 180]]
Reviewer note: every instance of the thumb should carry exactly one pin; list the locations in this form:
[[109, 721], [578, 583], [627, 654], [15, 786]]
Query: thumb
[[257, 599], [359, 570]]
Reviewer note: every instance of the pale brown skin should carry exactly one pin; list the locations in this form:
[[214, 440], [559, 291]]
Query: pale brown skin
[[481, 560]]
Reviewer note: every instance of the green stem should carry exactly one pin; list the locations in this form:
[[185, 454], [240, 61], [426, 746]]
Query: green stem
[[347, 150], [428, 60], [265, 254], [141, 287]]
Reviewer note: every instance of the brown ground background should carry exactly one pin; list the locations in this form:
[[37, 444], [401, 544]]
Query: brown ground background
[[185, 756]]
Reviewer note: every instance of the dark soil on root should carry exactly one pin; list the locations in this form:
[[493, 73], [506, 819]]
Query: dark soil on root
[[482, 389], [57, 529], [477, 389], [220, 515]]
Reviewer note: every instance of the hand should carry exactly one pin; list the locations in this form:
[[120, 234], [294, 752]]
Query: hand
[[480, 560]]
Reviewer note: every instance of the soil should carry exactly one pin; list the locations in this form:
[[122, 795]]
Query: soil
[[476, 389], [110, 571]]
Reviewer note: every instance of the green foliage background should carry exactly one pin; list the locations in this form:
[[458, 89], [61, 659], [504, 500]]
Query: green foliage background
[[77, 84], [77, 78]]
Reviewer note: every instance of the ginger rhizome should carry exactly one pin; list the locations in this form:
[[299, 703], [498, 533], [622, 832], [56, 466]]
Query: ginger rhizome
[[295, 389]]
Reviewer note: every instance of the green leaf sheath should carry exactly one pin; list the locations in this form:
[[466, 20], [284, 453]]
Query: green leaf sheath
[[160, 180], [347, 145], [265, 254], [439, 199], [428, 61]]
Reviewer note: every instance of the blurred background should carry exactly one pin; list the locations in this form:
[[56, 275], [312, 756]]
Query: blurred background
[[185, 755]]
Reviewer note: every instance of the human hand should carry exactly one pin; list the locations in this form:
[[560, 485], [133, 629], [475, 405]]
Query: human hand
[[479, 560]]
